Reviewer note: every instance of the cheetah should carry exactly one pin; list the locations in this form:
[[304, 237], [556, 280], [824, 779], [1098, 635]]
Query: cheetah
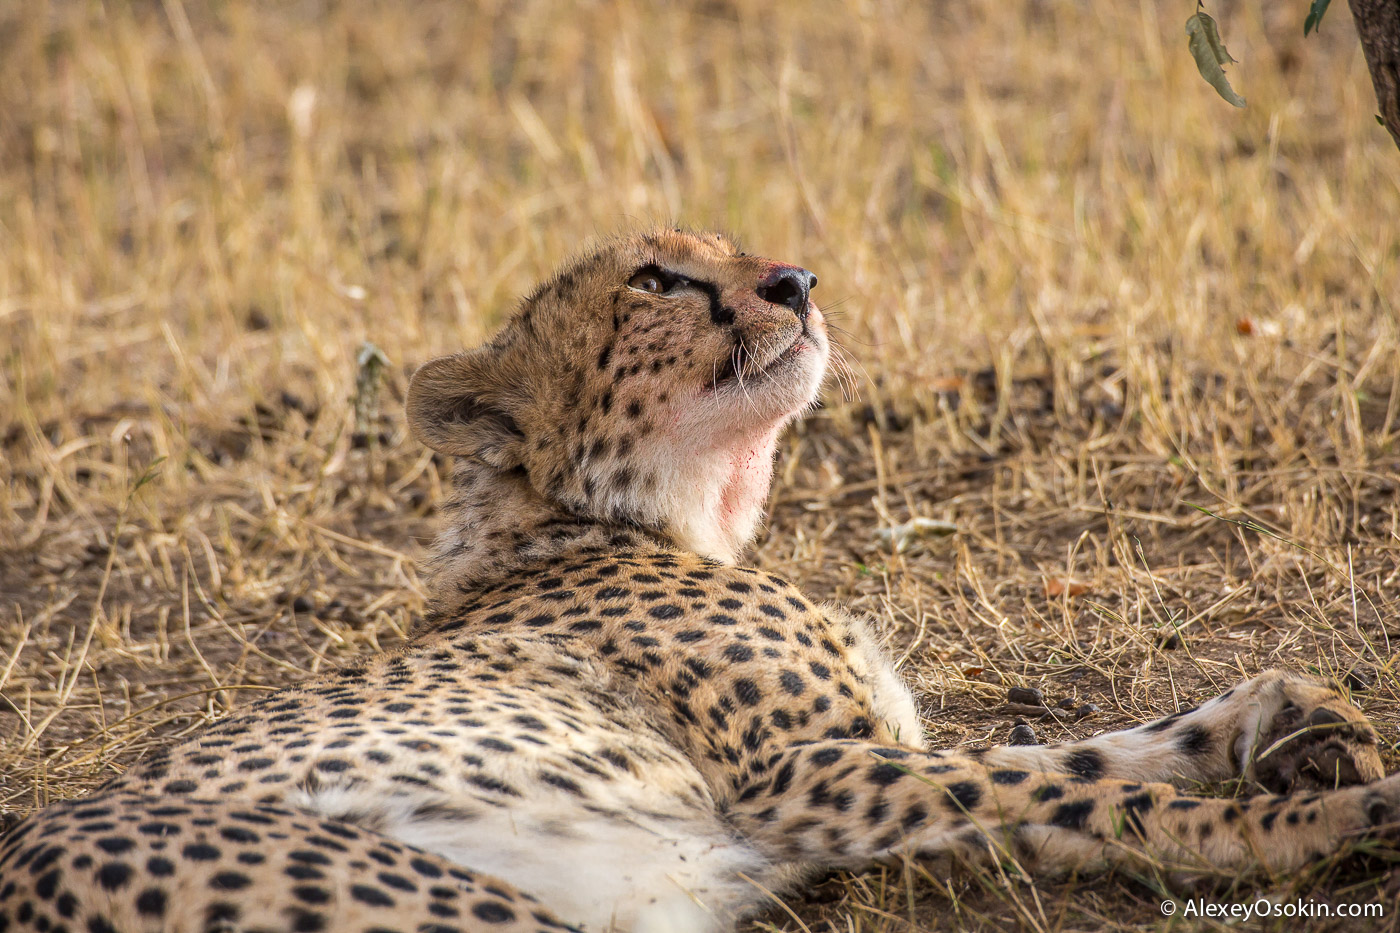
[[605, 723]]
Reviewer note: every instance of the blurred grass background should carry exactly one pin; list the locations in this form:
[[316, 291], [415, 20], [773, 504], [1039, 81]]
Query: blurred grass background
[[1086, 297]]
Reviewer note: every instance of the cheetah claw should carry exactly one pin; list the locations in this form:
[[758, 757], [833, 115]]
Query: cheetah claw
[[1331, 746]]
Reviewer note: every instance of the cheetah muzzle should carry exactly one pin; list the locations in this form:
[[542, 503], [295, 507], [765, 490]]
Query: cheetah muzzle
[[604, 722]]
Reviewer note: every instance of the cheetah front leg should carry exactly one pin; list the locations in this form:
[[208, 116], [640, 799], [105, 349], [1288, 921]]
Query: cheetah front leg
[[1286, 731], [846, 803]]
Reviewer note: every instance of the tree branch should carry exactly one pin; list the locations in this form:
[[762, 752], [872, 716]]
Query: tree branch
[[1378, 25]]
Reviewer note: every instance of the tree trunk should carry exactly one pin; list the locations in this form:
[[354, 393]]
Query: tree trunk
[[1378, 25]]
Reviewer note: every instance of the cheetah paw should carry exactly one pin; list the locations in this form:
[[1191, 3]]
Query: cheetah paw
[[1317, 741]]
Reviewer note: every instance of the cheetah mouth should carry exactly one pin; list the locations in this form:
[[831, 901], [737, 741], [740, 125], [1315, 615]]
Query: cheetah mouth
[[742, 368]]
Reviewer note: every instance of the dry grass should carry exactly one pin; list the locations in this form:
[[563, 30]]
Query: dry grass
[[1088, 298]]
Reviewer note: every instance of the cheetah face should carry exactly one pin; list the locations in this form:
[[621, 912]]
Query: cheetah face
[[645, 383], [733, 338]]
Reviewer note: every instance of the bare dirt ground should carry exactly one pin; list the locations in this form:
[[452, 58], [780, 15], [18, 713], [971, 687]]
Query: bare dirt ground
[[1140, 349]]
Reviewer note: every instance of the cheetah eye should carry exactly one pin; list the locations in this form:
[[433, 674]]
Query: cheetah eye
[[652, 280]]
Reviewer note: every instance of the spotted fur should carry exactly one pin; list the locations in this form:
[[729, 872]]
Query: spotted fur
[[604, 710]]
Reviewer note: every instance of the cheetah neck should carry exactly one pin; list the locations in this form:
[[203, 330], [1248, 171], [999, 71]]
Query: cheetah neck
[[496, 524], [714, 502]]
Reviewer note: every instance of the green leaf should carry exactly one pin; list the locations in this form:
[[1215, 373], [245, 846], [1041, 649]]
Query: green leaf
[[1315, 14], [151, 473], [1204, 40]]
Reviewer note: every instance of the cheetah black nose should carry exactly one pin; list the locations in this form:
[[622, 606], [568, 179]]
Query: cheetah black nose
[[788, 285]]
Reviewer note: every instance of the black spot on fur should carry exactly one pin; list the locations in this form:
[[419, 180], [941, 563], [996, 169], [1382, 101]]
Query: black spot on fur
[[1134, 808], [372, 896], [115, 845], [396, 881], [491, 912], [964, 796], [230, 881], [1195, 741], [1085, 764], [47, 885], [114, 875], [310, 894], [238, 834], [561, 782], [425, 868], [783, 779], [151, 903], [746, 691], [200, 852], [1072, 815]]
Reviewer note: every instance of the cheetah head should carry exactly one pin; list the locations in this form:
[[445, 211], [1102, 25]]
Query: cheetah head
[[646, 383]]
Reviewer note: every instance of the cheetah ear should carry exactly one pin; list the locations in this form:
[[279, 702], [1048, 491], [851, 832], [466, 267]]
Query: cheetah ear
[[455, 407]]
